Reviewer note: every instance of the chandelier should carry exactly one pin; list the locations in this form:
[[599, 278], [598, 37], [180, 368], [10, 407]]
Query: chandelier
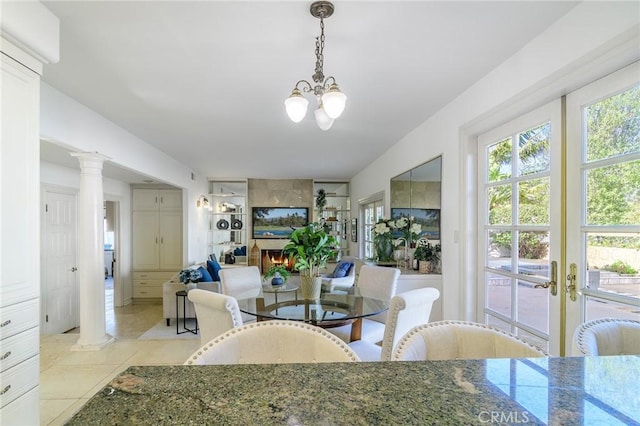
[[331, 101]]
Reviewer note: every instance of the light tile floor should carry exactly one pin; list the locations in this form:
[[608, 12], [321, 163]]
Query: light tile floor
[[68, 379]]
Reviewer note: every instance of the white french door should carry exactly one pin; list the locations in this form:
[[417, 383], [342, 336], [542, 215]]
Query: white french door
[[567, 203], [519, 214], [603, 198]]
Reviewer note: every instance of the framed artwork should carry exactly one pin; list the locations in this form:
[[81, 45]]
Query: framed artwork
[[428, 218]]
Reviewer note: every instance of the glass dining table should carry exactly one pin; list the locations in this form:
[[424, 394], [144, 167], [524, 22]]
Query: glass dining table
[[330, 310]]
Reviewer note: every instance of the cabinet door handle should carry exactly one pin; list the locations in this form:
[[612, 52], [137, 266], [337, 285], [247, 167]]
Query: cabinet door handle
[[156, 200], [161, 200], [4, 324], [5, 390], [5, 356], [156, 240], [161, 240]]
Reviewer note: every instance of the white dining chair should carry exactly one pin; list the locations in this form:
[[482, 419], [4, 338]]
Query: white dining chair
[[273, 342], [376, 282], [405, 312], [216, 313], [607, 336], [244, 283], [461, 340]]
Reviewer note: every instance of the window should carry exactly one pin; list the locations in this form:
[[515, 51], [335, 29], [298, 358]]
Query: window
[[371, 210]]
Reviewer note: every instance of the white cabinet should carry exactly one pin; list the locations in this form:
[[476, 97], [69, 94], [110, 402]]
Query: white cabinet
[[228, 221], [19, 241], [157, 235], [157, 199]]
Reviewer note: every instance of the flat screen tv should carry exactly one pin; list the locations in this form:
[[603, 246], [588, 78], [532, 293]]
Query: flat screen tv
[[278, 222]]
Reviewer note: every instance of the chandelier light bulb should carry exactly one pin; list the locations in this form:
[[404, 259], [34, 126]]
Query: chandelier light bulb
[[296, 106], [334, 101], [322, 119]]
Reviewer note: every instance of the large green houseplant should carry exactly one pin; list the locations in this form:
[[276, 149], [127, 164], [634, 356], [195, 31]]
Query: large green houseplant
[[310, 247]]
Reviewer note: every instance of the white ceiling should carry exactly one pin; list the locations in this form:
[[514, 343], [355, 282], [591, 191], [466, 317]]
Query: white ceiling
[[205, 81]]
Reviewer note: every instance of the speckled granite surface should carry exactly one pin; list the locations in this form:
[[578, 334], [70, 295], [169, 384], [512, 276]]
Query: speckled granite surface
[[531, 391]]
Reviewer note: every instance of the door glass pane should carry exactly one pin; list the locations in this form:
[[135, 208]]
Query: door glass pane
[[613, 263], [613, 125], [498, 293], [533, 250], [499, 249], [533, 150], [613, 194], [533, 306], [499, 205], [601, 308], [533, 208], [499, 161]]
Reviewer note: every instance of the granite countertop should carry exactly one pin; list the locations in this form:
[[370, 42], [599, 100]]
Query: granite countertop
[[527, 391]]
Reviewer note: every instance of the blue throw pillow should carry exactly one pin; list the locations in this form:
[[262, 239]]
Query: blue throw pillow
[[214, 267], [206, 276], [342, 269]]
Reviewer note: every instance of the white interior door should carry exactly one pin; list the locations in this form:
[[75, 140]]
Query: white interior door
[[60, 308], [603, 198], [519, 215]]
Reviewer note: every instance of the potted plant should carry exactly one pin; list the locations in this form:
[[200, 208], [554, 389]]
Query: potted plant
[[278, 274], [310, 247], [427, 256]]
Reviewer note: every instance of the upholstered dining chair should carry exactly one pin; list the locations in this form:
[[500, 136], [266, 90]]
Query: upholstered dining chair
[[405, 312], [377, 282], [607, 336], [273, 342], [238, 281], [461, 340], [243, 282], [216, 313]]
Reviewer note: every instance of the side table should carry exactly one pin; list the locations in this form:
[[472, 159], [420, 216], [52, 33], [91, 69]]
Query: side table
[[183, 294]]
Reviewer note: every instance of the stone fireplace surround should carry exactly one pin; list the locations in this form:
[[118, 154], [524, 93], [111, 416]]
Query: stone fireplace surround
[[276, 193]]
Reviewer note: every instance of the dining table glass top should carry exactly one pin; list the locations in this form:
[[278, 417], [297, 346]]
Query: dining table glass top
[[330, 309]]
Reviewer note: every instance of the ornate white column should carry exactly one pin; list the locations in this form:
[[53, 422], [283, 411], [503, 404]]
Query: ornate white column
[[93, 335]]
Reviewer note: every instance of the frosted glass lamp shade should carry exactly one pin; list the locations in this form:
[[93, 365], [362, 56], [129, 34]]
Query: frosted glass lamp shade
[[334, 101], [322, 119], [296, 106]]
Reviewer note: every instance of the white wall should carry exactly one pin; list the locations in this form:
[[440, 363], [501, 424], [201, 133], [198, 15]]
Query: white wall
[[591, 40], [68, 123]]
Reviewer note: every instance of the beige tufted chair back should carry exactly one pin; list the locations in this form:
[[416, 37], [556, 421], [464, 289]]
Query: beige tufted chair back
[[273, 342], [461, 340], [216, 313], [607, 336]]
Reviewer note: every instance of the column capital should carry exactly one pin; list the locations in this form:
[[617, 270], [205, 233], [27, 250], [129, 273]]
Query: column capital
[[90, 160]]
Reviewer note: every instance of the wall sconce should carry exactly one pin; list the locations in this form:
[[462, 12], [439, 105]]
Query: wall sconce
[[202, 202]]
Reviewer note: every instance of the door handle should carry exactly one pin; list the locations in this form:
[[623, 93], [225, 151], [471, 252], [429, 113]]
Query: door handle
[[553, 283], [572, 278], [73, 269]]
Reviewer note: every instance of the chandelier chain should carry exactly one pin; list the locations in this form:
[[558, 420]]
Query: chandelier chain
[[318, 77]]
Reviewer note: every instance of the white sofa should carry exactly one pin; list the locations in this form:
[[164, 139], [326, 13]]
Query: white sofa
[[171, 287]]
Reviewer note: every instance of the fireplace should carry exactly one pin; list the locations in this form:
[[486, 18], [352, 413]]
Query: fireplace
[[270, 257]]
